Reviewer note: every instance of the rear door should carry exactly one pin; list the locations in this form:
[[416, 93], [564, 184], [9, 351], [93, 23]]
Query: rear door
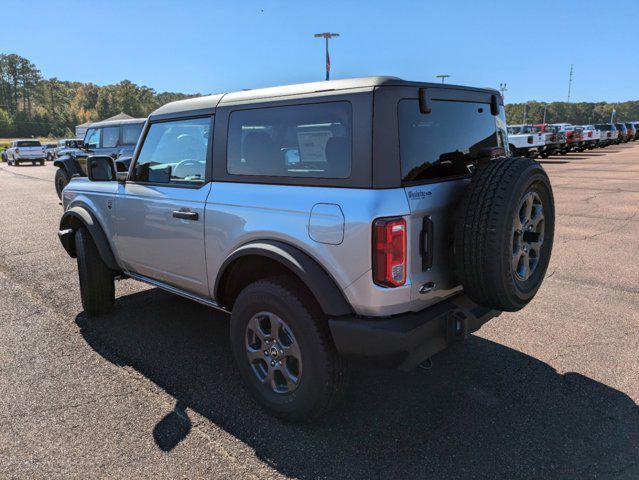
[[160, 209], [438, 151]]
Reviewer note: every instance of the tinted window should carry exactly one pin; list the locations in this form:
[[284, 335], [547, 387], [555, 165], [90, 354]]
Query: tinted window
[[110, 136], [92, 138], [131, 133], [297, 141], [448, 140], [174, 152], [28, 143]]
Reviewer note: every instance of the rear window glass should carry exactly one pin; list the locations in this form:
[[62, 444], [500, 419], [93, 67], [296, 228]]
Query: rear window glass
[[131, 133], [28, 143], [447, 141], [294, 141]]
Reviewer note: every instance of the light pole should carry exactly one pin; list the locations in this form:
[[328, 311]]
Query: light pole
[[326, 36], [502, 89], [442, 76]]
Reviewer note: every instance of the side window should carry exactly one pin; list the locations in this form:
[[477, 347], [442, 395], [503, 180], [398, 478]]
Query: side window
[[131, 133], [313, 141], [92, 138], [110, 137], [174, 152]]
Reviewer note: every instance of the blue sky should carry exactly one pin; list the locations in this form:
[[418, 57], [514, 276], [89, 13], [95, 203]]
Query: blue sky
[[213, 46]]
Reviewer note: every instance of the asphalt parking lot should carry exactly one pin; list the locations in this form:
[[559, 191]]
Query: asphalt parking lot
[[151, 390]]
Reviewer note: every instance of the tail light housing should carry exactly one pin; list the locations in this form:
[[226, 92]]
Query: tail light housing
[[530, 139], [389, 252], [17, 150], [609, 134], [589, 133]]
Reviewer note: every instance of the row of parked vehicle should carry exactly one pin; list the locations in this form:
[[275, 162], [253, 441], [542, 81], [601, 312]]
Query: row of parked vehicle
[[543, 140], [33, 151]]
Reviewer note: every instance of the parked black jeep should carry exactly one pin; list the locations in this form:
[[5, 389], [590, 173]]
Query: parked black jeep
[[116, 138]]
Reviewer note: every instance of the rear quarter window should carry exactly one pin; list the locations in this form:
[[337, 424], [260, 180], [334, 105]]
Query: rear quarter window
[[131, 134], [313, 141], [28, 143]]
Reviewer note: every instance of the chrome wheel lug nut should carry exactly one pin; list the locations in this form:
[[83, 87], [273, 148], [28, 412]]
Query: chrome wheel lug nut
[[266, 352], [272, 364]]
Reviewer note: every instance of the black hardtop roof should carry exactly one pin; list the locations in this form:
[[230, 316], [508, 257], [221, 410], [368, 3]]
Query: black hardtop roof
[[311, 89], [115, 123]]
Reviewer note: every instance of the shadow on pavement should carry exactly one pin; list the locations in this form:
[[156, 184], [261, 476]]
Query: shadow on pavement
[[483, 411]]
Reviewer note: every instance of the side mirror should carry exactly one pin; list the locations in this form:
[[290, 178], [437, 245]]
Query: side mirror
[[100, 168]]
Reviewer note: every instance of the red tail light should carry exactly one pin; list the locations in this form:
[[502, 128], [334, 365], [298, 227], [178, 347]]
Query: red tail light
[[609, 134], [389, 252], [530, 139], [17, 150], [590, 134]]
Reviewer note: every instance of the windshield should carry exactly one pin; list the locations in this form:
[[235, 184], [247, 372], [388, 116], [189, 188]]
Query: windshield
[[28, 143], [447, 141]]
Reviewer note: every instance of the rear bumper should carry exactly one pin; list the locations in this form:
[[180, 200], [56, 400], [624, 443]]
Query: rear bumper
[[406, 340]]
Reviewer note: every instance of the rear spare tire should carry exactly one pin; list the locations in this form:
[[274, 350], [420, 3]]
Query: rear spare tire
[[504, 233]]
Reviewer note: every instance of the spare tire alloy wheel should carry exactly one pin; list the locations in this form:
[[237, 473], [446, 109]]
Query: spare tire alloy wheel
[[528, 236], [273, 352]]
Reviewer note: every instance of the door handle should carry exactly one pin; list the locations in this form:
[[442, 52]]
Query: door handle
[[185, 214]]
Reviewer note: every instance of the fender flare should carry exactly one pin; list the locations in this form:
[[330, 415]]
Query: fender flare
[[77, 217], [316, 279], [68, 164]]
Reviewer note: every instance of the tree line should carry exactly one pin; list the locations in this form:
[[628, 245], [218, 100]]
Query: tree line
[[31, 105], [578, 113]]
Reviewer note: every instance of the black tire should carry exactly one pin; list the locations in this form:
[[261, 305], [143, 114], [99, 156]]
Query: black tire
[[486, 233], [41, 163], [322, 378], [61, 180], [97, 285], [33, 163]]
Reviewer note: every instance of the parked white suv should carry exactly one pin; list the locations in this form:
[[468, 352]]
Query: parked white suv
[[22, 151], [325, 231]]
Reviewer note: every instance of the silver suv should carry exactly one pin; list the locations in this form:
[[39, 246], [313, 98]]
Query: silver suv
[[368, 218]]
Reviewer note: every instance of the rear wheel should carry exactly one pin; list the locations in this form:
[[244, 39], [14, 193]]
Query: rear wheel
[[97, 285], [284, 351], [504, 233], [61, 180]]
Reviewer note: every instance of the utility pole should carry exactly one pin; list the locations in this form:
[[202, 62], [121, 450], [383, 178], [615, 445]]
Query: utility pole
[[443, 76], [570, 81], [502, 89], [326, 36]]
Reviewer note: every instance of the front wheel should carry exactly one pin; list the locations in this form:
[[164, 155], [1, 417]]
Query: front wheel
[[97, 284], [284, 351], [61, 180]]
